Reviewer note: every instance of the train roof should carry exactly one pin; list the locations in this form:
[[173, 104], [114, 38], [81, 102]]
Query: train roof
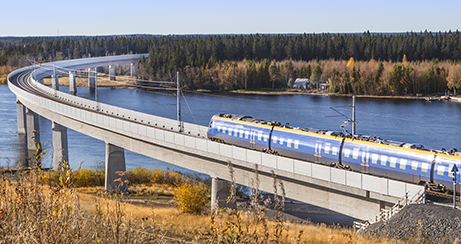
[[375, 139]]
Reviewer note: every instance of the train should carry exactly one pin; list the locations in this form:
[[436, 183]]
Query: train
[[361, 153]]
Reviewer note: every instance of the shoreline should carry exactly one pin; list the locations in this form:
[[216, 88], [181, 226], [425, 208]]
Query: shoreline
[[82, 82]]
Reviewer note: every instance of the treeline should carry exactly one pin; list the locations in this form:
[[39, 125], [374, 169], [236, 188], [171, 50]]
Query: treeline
[[343, 77], [223, 62]]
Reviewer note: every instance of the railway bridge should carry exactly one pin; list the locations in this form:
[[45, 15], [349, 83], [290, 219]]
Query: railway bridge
[[360, 196]]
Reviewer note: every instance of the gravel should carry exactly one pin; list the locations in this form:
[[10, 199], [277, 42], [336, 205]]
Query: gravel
[[421, 223]]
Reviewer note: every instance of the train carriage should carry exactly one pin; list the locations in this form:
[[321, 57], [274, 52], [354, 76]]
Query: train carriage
[[411, 165], [390, 159], [306, 145], [443, 166], [239, 130]]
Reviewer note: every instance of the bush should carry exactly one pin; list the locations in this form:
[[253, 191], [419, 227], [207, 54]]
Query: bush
[[191, 196], [173, 178], [154, 176], [139, 176], [88, 177]]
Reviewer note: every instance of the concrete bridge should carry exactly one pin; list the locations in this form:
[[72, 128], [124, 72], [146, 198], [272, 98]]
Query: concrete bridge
[[354, 194]]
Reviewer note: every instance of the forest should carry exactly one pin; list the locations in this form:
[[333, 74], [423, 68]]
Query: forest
[[362, 64]]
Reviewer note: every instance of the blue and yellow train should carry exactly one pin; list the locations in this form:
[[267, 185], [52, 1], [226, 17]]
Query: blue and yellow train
[[373, 155]]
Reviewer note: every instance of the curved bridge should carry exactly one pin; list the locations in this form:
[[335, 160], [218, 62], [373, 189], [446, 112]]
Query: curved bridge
[[357, 195]]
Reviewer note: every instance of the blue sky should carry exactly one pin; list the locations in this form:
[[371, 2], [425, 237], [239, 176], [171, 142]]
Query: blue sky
[[96, 17]]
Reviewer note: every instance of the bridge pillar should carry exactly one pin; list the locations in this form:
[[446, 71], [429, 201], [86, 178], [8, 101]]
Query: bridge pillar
[[55, 81], [32, 132], [72, 83], [60, 148], [132, 69], [91, 78], [21, 118], [111, 72], [32, 129], [220, 191], [115, 179]]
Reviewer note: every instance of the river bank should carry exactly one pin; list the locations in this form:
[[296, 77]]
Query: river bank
[[126, 82]]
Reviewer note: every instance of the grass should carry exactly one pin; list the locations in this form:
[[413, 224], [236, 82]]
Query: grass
[[47, 207]]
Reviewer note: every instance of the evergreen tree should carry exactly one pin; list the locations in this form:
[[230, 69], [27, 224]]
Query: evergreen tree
[[316, 73]]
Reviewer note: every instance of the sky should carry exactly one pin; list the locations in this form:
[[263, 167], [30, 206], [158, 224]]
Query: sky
[[117, 17]]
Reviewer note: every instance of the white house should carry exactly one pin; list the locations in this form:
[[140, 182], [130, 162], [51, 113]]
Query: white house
[[302, 83]]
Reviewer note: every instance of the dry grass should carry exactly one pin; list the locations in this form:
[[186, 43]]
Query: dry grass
[[45, 213]]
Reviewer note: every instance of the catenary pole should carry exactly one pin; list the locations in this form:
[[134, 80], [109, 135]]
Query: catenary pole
[[353, 116], [178, 93]]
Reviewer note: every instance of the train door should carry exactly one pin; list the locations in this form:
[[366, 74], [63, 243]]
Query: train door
[[318, 151], [253, 139], [365, 161]]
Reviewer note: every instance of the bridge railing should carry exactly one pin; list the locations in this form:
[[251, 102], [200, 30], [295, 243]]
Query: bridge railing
[[153, 128]]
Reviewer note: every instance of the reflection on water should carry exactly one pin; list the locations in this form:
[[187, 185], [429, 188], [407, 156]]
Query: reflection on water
[[435, 125]]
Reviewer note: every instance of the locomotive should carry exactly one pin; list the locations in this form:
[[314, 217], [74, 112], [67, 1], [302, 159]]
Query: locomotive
[[373, 155]]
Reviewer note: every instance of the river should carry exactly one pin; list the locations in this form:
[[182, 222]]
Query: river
[[434, 124]]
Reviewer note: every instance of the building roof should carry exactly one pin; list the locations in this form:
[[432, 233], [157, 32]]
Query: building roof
[[301, 81]]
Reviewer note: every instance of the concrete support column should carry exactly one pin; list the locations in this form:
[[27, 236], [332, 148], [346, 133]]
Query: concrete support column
[[21, 118], [220, 191], [60, 148], [55, 81], [111, 72], [115, 169], [72, 83], [32, 132], [132, 69], [91, 78], [32, 129]]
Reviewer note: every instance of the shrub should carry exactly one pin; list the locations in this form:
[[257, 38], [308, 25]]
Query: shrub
[[88, 177], [139, 175], [173, 178], [158, 176], [191, 196]]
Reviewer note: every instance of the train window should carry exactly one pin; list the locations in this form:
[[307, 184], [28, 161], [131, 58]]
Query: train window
[[265, 138], [440, 170], [230, 131], [392, 162], [347, 152], [274, 139], [403, 164], [414, 165], [374, 158], [327, 148], [289, 143], [218, 129], [424, 167], [281, 141], [247, 135], [334, 151], [383, 160], [260, 136], [224, 130], [355, 153], [241, 133], [236, 132], [296, 145]]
